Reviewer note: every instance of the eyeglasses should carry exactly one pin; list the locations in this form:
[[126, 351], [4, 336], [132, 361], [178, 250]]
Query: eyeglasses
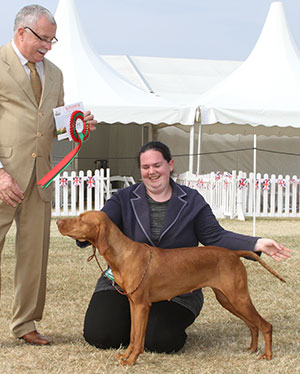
[[52, 41]]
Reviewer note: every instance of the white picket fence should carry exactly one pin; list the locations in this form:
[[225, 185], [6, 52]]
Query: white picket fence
[[230, 195], [234, 195], [75, 193]]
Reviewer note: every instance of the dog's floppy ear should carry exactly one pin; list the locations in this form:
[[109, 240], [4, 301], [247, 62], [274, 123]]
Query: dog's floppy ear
[[101, 240]]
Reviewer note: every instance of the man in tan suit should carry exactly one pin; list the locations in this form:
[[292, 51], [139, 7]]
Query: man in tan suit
[[27, 130]]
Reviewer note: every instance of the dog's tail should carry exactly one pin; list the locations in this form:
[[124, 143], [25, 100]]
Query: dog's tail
[[254, 256]]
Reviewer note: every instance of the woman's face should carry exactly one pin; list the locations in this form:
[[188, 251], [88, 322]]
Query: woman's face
[[155, 171]]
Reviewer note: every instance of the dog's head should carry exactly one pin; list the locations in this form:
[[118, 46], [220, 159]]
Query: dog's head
[[87, 227]]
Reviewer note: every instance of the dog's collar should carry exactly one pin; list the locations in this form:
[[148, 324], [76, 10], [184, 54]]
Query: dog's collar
[[113, 282]]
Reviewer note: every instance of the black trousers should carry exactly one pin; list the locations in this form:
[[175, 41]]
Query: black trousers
[[107, 323]]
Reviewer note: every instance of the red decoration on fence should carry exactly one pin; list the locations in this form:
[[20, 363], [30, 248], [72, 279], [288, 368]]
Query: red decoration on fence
[[243, 183], [200, 183], [282, 183], [77, 181], [63, 182], [90, 182], [227, 178], [266, 184], [218, 175], [227, 175]]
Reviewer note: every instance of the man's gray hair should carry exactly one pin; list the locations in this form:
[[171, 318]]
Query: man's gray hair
[[30, 14]]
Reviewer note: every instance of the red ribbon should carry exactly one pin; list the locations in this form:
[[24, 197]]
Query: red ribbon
[[78, 137]]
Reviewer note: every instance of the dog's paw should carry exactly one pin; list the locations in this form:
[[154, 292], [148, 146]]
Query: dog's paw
[[265, 357], [251, 349], [127, 362]]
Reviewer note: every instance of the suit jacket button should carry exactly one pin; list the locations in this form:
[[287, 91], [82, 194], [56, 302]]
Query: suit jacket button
[[38, 134], [33, 155]]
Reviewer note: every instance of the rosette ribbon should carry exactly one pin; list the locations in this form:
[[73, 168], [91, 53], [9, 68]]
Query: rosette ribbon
[[78, 137]]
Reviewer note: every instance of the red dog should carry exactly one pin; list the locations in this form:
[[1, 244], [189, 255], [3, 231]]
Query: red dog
[[137, 269]]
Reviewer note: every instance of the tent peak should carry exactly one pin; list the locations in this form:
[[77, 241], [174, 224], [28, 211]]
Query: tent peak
[[276, 39], [88, 78], [264, 89]]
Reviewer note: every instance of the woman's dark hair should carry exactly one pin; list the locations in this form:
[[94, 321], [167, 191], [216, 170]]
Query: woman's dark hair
[[155, 146]]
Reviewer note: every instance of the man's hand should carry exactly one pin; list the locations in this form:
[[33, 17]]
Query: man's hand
[[89, 118], [10, 192]]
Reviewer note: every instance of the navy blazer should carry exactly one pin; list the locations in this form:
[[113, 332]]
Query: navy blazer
[[189, 221]]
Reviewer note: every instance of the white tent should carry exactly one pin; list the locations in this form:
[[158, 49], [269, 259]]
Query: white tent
[[90, 79], [262, 95], [262, 92]]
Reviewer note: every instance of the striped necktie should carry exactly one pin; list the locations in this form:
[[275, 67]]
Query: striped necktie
[[35, 81]]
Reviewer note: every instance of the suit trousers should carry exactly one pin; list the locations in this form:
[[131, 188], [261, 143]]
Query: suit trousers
[[32, 217]]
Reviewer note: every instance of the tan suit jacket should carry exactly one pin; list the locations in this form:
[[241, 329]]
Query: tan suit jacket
[[26, 129]]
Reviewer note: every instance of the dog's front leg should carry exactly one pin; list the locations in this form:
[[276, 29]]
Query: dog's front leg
[[126, 354], [139, 319]]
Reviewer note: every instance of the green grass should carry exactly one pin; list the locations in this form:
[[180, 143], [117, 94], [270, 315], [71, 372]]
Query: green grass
[[216, 341]]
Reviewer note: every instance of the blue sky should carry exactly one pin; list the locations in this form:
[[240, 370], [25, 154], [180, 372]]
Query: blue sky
[[206, 29]]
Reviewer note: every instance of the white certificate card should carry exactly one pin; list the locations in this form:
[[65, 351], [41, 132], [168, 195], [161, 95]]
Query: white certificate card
[[62, 116]]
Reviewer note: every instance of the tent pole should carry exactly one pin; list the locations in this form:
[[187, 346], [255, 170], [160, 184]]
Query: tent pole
[[254, 185], [139, 74], [191, 153], [199, 149], [150, 132]]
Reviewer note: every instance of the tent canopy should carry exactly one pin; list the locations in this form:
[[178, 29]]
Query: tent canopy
[[88, 78], [179, 80], [262, 92]]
